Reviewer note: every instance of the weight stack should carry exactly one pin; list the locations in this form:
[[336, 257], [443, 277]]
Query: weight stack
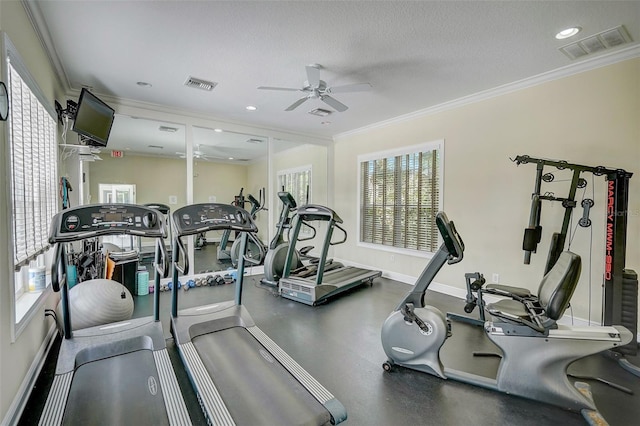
[[630, 310]]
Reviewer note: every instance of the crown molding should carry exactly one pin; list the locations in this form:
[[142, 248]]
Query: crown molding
[[630, 52], [42, 31]]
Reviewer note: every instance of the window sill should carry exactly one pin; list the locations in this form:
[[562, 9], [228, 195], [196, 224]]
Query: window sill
[[396, 250], [26, 307]]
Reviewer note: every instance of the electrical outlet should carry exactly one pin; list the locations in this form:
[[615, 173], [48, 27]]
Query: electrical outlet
[[173, 199], [393, 258], [495, 278]]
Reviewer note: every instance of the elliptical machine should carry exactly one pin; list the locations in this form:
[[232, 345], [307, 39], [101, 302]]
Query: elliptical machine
[[277, 254], [224, 253], [523, 329], [256, 250]]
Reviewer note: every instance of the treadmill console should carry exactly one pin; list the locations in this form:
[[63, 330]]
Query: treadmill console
[[313, 212], [106, 219], [197, 218]]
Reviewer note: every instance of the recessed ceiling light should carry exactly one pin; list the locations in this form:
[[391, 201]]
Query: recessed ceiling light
[[143, 84], [569, 32], [230, 158], [218, 130], [251, 108]]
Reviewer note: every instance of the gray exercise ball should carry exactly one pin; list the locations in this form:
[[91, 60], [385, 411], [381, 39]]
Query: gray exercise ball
[[97, 302]]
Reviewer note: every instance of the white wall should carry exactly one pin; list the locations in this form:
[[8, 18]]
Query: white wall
[[17, 357], [591, 118], [302, 156]]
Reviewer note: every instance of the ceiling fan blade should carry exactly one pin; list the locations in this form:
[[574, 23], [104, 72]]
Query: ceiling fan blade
[[338, 106], [297, 103], [313, 76], [288, 89], [357, 87]]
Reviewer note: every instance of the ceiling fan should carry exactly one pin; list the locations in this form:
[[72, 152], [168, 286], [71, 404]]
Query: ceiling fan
[[318, 89], [221, 154], [197, 155]]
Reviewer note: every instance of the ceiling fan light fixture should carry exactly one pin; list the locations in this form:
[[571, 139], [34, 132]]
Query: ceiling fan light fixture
[[568, 32], [320, 112]]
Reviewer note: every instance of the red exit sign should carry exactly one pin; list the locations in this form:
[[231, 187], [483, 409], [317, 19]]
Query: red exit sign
[[117, 154]]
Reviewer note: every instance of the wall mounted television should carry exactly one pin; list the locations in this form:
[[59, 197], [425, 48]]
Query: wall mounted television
[[94, 119]]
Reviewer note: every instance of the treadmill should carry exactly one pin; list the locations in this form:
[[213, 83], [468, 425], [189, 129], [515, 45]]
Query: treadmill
[[324, 284], [239, 374], [118, 373]]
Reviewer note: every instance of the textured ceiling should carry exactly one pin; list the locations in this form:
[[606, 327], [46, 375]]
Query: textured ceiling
[[415, 54]]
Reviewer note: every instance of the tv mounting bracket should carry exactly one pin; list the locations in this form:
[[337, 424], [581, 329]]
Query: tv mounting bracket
[[69, 112]]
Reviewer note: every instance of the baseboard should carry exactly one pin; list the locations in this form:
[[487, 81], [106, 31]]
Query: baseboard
[[20, 401], [460, 293]]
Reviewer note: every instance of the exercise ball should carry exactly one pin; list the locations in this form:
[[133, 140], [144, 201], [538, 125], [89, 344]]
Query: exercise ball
[[111, 248], [97, 302]]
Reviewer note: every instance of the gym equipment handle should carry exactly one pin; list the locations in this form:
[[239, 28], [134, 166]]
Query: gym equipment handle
[[344, 232]]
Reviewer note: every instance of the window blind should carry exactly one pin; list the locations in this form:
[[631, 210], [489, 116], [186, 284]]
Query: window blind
[[33, 157], [400, 196], [296, 183]]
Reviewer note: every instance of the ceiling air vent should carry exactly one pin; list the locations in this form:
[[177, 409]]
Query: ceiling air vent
[[168, 129], [254, 141], [320, 112], [198, 83], [607, 39]]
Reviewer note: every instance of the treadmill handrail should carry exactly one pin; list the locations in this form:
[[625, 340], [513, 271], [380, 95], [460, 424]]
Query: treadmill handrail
[[179, 253], [344, 232], [161, 259], [59, 266]]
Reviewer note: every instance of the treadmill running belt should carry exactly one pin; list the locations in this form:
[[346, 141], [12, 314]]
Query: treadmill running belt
[[256, 388], [121, 390]]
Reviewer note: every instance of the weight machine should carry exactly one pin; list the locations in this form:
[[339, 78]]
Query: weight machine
[[620, 284]]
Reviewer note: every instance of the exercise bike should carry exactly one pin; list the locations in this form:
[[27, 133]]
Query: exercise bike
[[523, 328]]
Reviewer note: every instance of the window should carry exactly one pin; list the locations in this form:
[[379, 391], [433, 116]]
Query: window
[[297, 182], [400, 194], [32, 162]]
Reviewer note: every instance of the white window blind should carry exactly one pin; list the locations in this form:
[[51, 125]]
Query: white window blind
[[33, 157], [297, 183], [400, 196]]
